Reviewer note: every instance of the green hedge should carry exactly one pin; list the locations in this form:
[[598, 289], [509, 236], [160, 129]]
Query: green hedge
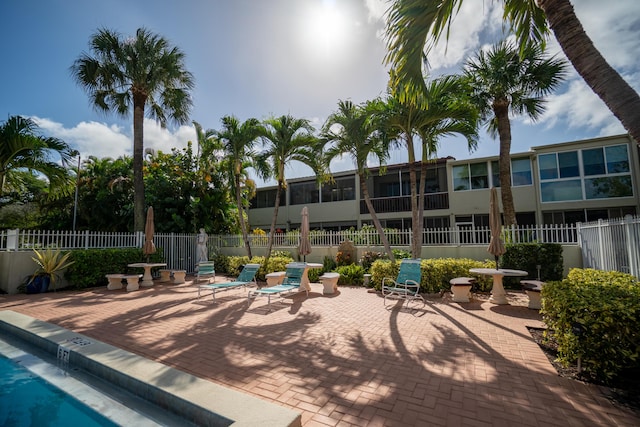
[[527, 256], [595, 316], [436, 273], [351, 275], [275, 263], [91, 265]]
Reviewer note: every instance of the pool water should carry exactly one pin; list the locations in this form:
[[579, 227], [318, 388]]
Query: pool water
[[28, 400]]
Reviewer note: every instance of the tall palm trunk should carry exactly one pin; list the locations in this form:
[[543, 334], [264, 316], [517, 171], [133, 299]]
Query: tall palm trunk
[[374, 217], [501, 111], [416, 224], [423, 188], [273, 221], [606, 82], [243, 225], [138, 156]]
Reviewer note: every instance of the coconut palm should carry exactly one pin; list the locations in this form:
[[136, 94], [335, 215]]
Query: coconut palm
[[144, 73], [287, 139], [354, 130], [238, 141], [503, 82], [23, 149], [414, 23]]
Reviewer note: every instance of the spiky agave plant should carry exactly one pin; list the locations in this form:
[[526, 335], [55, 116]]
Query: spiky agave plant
[[51, 263]]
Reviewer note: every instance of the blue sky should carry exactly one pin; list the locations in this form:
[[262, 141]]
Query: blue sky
[[274, 57]]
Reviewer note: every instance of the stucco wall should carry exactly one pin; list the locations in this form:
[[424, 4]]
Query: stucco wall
[[15, 266]]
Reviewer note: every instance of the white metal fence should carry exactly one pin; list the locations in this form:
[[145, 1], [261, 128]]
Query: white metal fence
[[611, 244], [179, 250]]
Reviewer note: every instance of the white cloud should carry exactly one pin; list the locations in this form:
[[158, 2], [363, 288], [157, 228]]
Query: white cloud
[[102, 140], [579, 107]]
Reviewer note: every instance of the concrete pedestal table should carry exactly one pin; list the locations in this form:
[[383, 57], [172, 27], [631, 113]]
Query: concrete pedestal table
[[498, 295], [304, 281], [147, 279]]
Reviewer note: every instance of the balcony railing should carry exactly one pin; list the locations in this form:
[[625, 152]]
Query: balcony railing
[[432, 201]]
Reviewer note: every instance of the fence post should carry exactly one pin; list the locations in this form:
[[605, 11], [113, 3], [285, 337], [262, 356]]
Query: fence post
[[601, 244], [632, 246], [12, 239]]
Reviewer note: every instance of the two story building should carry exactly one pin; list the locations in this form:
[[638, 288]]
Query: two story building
[[552, 184]]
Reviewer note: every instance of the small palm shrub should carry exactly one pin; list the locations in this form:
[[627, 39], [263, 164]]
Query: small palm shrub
[[352, 275], [401, 253]]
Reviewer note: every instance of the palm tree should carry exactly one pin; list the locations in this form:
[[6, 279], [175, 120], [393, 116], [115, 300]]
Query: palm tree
[[355, 131], [144, 73], [439, 110], [501, 82], [238, 140], [414, 23], [287, 139], [22, 149]]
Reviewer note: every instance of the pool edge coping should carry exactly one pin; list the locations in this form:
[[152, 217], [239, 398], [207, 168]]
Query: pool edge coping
[[198, 400]]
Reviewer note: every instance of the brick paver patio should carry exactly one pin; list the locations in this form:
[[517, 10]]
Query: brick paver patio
[[344, 359]]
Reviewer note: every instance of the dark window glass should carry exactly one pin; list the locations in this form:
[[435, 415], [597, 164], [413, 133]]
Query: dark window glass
[[593, 161], [568, 164], [548, 165], [479, 176], [521, 172], [341, 189], [608, 186], [461, 178], [303, 192], [617, 159], [559, 191], [495, 173]]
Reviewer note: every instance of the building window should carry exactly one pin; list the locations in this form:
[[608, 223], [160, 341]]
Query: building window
[[605, 174], [472, 176], [303, 192], [559, 191], [341, 189], [461, 178], [267, 199], [520, 172]]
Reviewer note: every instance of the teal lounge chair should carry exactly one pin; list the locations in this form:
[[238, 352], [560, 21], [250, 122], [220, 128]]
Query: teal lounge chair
[[206, 269], [290, 283], [407, 285], [246, 276]]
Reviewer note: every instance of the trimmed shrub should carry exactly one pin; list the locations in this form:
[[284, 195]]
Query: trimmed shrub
[[91, 265], [594, 316], [351, 274], [275, 263], [436, 273], [527, 256]]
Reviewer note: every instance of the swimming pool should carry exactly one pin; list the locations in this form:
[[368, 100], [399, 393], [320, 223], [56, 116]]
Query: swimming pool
[[159, 394], [26, 400], [35, 392]]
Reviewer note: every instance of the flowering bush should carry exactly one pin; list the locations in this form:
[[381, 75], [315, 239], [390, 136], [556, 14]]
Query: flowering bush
[[343, 258]]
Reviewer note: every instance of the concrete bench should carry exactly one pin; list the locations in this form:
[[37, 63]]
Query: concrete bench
[[461, 288], [179, 276], [132, 281], [115, 281], [533, 288], [165, 275], [275, 278], [330, 282]]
